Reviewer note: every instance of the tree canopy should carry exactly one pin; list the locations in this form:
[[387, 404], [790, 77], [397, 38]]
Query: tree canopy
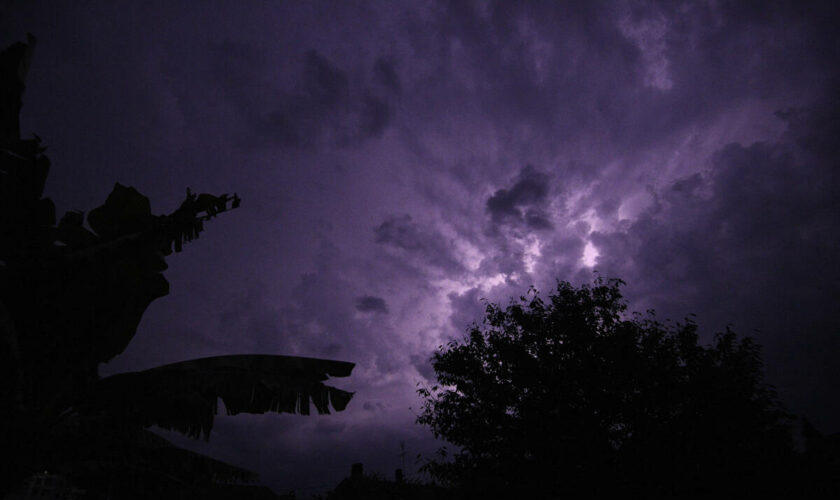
[[571, 394]]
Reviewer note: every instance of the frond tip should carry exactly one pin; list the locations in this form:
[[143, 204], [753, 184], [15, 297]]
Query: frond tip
[[183, 396]]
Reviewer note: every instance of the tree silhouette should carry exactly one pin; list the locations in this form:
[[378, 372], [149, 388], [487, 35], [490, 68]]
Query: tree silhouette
[[72, 297], [569, 395]]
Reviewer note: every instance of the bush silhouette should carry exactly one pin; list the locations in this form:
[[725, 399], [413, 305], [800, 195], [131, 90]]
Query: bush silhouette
[[570, 395]]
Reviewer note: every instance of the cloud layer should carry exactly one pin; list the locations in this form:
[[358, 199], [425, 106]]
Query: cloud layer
[[400, 163]]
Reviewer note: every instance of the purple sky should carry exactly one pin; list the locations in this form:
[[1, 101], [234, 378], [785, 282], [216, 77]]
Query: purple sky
[[399, 161]]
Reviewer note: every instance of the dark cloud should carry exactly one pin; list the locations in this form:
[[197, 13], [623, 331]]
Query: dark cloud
[[369, 303], [467, 308], [324, 107], [385, 73], [622, 76], [537, 65], [321, 104], [537, 220], [608, 207], [522, 203], [373, 406], [236, 67], [423, 365], [752, 241], [374, 116], [323, 84], [423, 245]]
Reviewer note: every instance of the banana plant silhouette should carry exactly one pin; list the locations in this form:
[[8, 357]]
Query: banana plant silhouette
[[72, 297]]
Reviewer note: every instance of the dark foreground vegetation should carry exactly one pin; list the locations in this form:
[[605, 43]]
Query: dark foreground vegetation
[[570, 397], [71, 297]]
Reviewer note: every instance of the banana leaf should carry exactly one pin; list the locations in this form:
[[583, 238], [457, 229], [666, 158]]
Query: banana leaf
[[183, 396]]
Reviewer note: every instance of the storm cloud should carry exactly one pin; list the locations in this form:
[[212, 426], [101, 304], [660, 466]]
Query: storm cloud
[[371, 304], [523, 202], [425, 245], [398, 163]]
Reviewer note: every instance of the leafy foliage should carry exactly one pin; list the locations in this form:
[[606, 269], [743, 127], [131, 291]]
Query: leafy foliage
[[183, 396], [570, 395]]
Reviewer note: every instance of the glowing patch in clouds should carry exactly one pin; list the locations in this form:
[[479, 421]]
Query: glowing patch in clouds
[[532, 253], [590, 254], [471, 256]]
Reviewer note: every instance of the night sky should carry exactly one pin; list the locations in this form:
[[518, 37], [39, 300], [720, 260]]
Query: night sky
[[400, 161]]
